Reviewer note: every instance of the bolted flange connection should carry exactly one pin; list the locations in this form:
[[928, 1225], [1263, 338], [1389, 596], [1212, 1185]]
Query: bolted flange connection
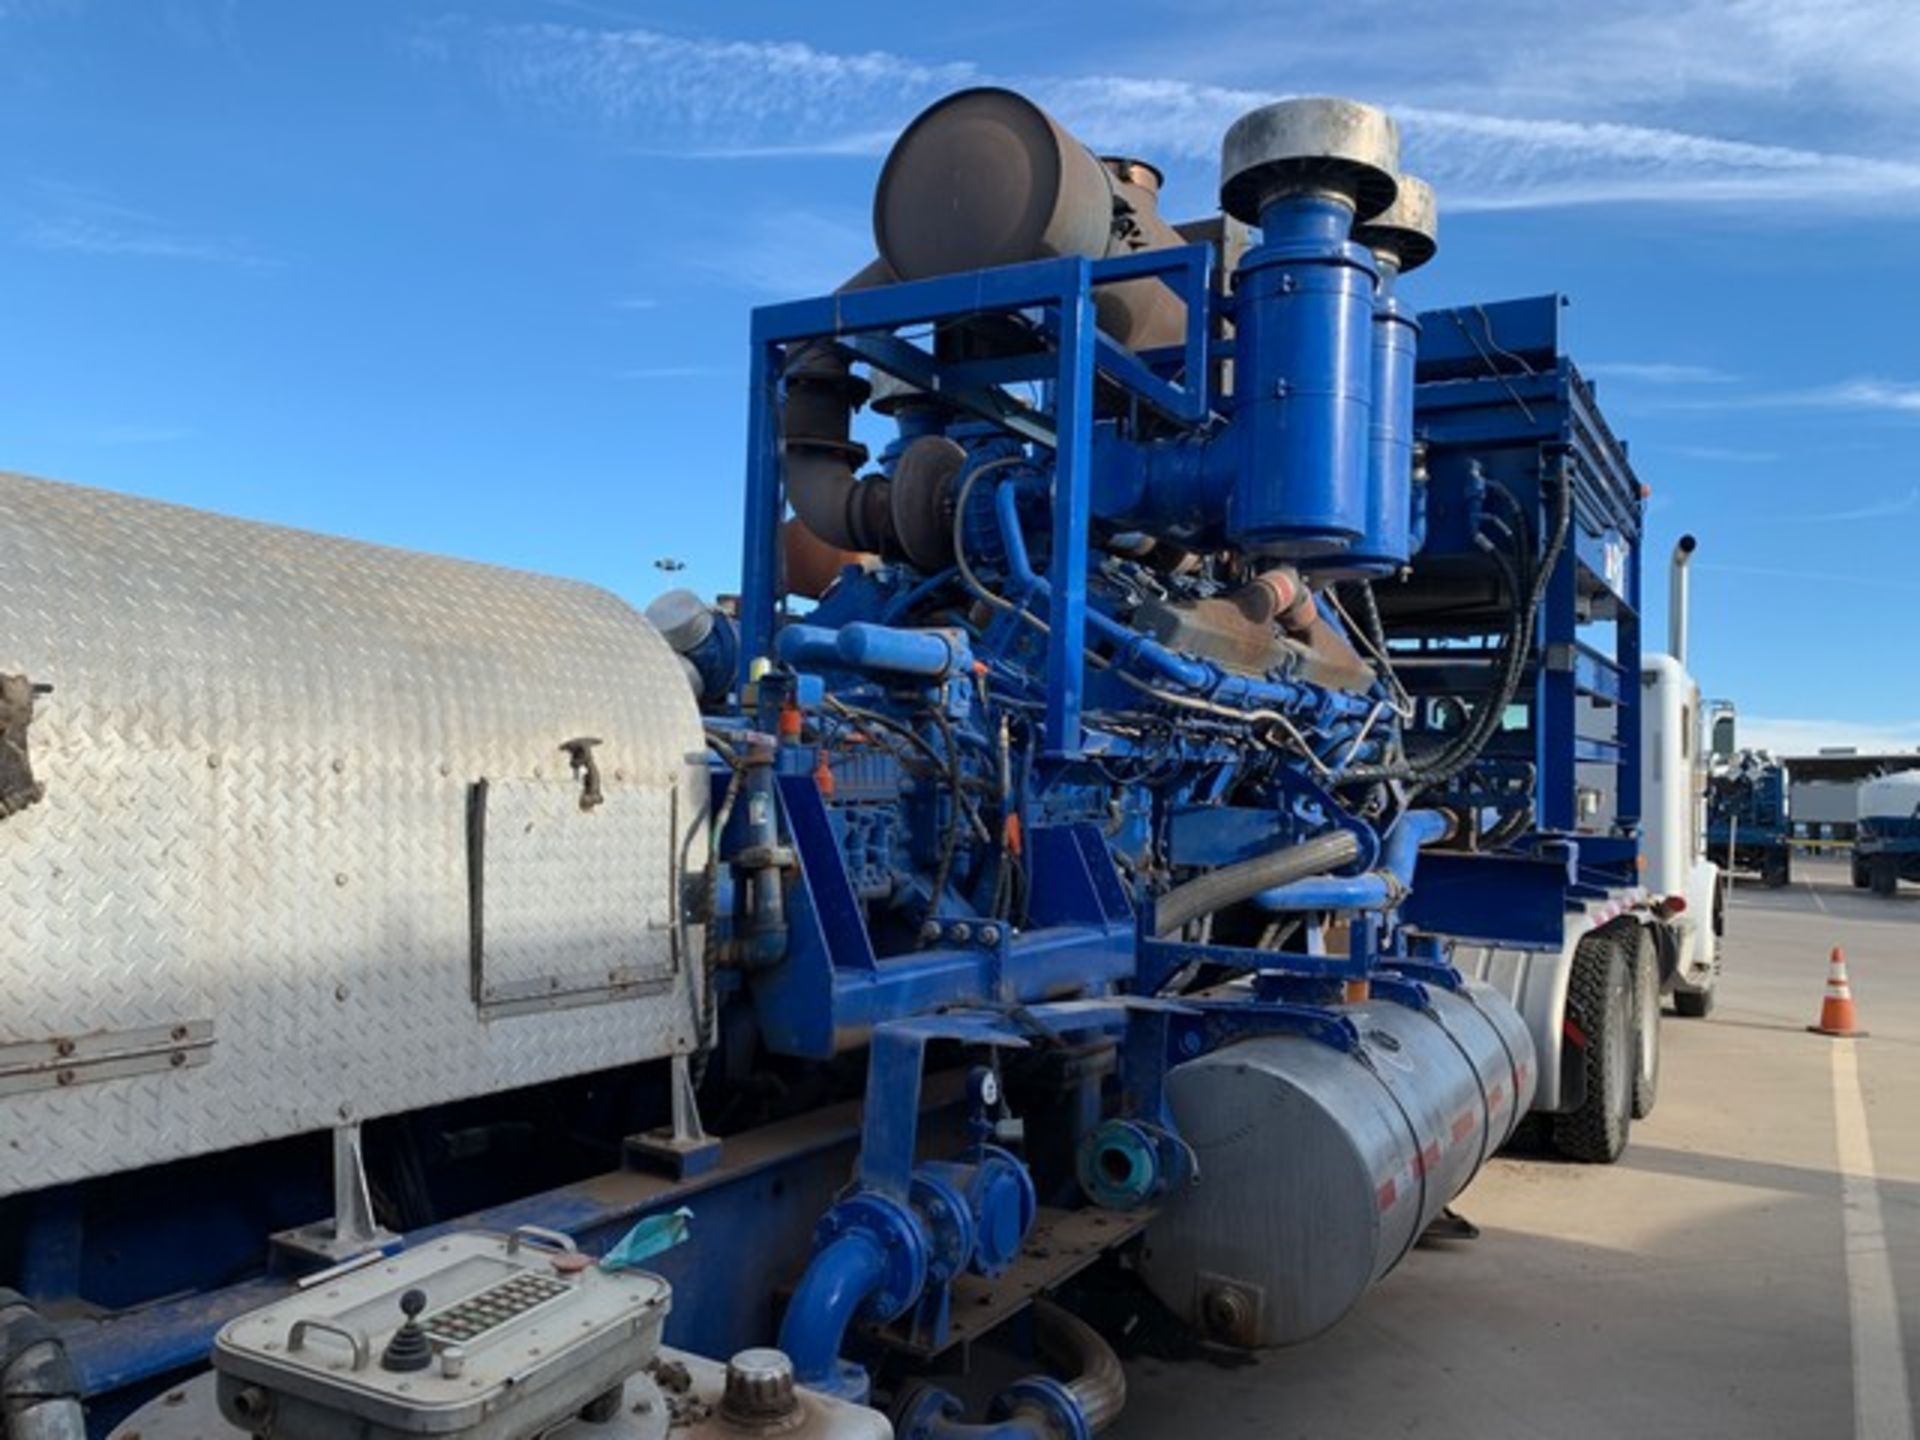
[[901, 1238], [1317, 145]]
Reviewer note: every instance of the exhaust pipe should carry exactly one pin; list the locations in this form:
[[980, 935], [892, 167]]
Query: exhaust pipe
[[1677, 599]]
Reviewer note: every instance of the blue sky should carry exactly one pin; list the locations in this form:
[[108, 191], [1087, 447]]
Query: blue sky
[[476, 279]]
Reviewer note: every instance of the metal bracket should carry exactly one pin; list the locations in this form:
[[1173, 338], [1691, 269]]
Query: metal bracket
[[18, 788], [684, 1150], [353, 1230], [62, 1060], [579, 753]]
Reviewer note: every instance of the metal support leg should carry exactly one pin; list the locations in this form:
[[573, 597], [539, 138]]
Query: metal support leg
[[685, 1149], [352, 1230]]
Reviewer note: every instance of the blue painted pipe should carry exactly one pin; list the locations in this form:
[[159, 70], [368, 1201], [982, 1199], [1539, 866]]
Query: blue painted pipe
[[864, 645], [1303, 381], [1375, 890], [1152, 661], [837, 1283]]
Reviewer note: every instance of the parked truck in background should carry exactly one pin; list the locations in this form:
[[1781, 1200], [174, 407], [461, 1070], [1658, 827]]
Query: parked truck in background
[[1886, 838], [1749, 820]]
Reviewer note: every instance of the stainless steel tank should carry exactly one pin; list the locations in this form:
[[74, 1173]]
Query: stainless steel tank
[[1318, 1169], [312, 846]]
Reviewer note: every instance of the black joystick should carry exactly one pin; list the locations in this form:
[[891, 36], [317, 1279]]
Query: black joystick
[[409, 1349]]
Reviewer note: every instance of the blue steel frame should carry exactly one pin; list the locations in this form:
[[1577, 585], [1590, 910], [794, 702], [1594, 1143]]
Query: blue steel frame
[[868, 322], [1496, 388]]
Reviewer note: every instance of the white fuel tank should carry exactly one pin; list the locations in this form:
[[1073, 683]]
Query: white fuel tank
[[311, 848], [1319, 1167]]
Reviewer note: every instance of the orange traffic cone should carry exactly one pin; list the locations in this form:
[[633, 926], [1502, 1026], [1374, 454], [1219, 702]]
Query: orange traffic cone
[[1836, 1010]]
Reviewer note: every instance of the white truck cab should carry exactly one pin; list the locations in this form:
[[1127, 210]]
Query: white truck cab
[[1681, 881]]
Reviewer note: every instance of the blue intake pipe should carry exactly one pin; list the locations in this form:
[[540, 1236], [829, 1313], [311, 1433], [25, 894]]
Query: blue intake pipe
[[1378, 889], [839, 1281], [863, 645], [1153, 662]]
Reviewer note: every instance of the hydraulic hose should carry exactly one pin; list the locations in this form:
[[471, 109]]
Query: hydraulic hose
[[1038, 1407], [1070, 1345], [1231, 884], [39, 1394], [1376, 890], [830, 1294]]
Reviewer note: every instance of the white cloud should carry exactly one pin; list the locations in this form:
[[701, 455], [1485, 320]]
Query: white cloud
[[1861, 579], [1873, 510], [1726, 454], [783, 253], [677, 92], [1861, 393], [712, 98], [77, 220], [1657, 372], [1902, 396]]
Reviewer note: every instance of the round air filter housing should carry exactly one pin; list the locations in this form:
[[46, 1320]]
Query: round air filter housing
[[1304, 146]]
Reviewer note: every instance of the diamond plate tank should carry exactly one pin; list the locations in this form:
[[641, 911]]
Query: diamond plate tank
[[312, 846]]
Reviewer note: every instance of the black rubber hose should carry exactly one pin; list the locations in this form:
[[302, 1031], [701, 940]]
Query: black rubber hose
[[1563, 519], [1099, 1384], [1231, 884], [39, 1394]]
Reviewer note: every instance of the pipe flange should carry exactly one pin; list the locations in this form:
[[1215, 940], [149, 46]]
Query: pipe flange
[[1313, 145], [949, 1226], [919, 1411], [1407, 231], [923, 483], [1053, 1400], [1005, 1205], [1119, 1165], [898, 1233]]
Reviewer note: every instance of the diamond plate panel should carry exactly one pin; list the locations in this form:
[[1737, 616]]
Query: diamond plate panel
[[567, 909], [257, 755]]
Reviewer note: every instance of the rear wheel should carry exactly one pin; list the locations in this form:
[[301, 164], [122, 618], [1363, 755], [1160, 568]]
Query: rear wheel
[[1778, 871], [1861, 877], [1600, 1007], [1886, 874], [1646, 1001]]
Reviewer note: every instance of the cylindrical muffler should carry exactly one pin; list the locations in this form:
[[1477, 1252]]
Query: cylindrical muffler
[[986, 177], [1319, 1169]]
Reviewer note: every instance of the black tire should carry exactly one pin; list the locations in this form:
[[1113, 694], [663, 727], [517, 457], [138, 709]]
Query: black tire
[[1778, 872], [1861, 879], [1600, 1004], [1646, 1029], [1886, 874], [1693, 1004]]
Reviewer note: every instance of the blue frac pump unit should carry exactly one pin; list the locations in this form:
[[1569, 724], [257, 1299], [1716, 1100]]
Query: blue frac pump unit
[[1163, 659]]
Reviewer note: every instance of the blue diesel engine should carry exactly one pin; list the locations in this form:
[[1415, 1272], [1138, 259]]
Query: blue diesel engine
[[1065, 729]]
